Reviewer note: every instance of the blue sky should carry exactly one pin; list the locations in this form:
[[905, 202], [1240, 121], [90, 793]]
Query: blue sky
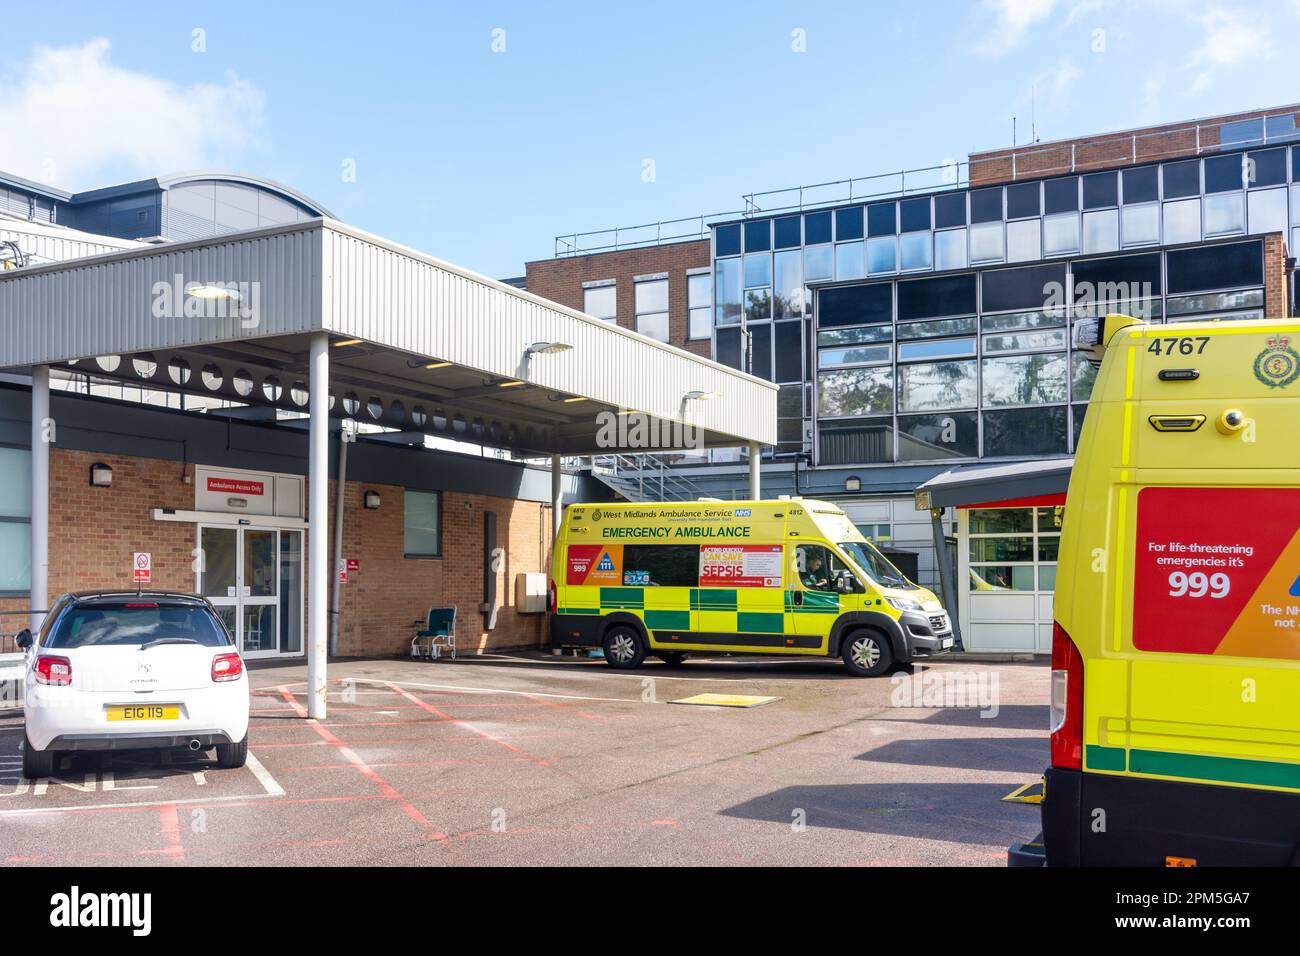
[[482, 156]]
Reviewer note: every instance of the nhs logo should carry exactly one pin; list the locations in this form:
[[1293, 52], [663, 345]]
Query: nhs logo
[[744, 512]]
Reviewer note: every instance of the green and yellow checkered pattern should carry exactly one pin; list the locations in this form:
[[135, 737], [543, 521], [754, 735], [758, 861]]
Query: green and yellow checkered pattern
[[717, 610]]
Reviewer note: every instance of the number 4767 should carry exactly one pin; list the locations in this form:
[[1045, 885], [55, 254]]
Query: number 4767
[[1179, 345]]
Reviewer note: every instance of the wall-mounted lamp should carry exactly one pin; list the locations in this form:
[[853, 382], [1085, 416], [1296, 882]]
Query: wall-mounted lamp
[[370, 500], [101, 475], [547, 348], [700, 396], [853, 483]]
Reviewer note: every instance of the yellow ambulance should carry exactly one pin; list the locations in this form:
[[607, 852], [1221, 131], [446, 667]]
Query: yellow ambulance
[[1175, 699], [789, 576]]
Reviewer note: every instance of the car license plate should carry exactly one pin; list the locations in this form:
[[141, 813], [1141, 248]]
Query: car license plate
[[946, 643], [143, 712]]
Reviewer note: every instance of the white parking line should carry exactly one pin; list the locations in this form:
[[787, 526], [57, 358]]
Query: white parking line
[[264, 776], [28, 811], [494, 690]]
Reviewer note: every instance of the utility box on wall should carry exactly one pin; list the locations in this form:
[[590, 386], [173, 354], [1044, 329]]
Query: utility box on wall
[[530, 592]]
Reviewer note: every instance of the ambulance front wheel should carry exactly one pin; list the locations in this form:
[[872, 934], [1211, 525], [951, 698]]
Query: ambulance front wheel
[[867, 653], [624, 647]]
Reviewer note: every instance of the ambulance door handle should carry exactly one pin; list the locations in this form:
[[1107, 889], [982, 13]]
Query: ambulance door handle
[[798, 599]]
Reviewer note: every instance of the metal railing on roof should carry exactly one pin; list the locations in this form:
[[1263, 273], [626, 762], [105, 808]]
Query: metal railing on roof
[[1030, 162]]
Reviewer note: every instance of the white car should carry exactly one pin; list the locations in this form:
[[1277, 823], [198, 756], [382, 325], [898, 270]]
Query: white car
[[127, 670]]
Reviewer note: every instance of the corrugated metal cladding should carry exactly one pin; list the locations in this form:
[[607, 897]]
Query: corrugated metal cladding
[[42, 247], [130, 302], [400, 298], [322, 275]]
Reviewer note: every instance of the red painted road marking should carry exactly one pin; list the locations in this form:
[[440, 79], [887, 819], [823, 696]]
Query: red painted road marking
[[437, 713], [171, 832], [346, 752]]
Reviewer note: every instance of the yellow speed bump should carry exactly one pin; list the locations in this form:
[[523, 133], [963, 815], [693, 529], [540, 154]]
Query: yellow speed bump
[[725, 700]]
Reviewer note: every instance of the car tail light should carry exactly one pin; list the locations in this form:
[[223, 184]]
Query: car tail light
[[53, 670], [552, 597], [227, 667], [1067, 701]]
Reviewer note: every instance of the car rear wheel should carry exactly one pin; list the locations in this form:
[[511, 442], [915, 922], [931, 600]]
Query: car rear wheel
[[230, 756], [36, 763], [867, 653], [623, 646]]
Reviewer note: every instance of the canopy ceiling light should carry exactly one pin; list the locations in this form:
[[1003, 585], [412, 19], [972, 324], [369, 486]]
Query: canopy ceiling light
[[701, 396], [213, 293], [547, 348]]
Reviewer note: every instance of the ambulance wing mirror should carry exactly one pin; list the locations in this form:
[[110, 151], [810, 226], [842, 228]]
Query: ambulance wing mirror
[[1091, 336], [23, 638], [846, 583]]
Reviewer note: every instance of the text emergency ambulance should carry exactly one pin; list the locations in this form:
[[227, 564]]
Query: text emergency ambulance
[[791, 576], [1176, 646]]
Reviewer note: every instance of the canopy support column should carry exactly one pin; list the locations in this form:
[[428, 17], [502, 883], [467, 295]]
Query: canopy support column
[[42, 436], [557, 506], [318, 524], [755, 459]]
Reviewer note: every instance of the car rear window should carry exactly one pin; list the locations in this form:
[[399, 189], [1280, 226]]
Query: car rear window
[[136, 623]]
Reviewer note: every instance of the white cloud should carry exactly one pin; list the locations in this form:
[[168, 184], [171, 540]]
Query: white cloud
[[1013, 19], [1051, 87], [72, 118], [1230, 38]]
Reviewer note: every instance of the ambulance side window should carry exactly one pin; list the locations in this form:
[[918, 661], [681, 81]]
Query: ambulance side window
[[661, 565], [816, 567]]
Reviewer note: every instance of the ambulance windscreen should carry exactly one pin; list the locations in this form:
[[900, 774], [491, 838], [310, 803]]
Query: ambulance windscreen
[[877, 567]]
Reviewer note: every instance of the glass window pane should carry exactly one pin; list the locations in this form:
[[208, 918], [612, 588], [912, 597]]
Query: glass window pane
[[1265, 167], [15, 483], [931, 437], [1224, 214], [601, 301], [1140, 225], [1141, 184], [1025, 431], [1015, 548], [699, 290], [914, 215], [949, 210], [986, 204], [1061, 195], [1004, 577], [1028, 288], [726, 240], [1001, 520], [653, 324], [1047, 577], [818, 263], [1267, 210], [729, 290], [1182, 179], [848, 224], [936, 386], [860, 441], [1021, 320], [1182, 221], [699, 323], [986, 242], [860, 355], [936, 297], [1224, 173], [787, 234], [420, 523], [916, 251], [1025, 341], [1025, 379], [870, 333], [758, 235], [950, 249], [882, 219], [882, 255], [758, 270], [652, 296], [1023, 200], [1060, 234], [1100, 190], [937, 327], [858, 391], [760, 344], [849, 260], [758, 305], [1082, 377], [788, 284], [856, 305], [1225, 266], [1101, 231], [1050, 518], [789, 352], [1024, 240], [727, 348], [935, 348], [816, 228]]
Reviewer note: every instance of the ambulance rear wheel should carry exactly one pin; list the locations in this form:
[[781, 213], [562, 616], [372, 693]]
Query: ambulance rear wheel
[[867, 653], [673, 658], [624, 647]]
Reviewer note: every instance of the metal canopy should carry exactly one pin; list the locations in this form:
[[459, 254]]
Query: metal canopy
[[983, 484], [418, 345]]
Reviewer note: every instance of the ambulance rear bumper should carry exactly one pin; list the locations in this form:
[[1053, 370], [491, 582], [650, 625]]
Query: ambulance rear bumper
[[576, 630]]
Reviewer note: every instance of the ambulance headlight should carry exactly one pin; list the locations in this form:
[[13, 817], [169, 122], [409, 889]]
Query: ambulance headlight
[[903, 604]]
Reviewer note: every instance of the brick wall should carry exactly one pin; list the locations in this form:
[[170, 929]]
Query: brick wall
[[560, 280], [1106, 150], [1276, 300], [93, 532]]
